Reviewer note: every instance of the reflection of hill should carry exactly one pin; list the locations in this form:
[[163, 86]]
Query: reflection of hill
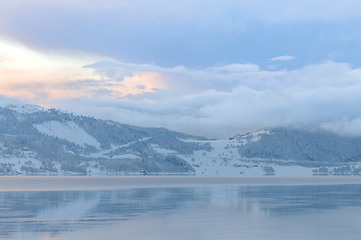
[[280, 200], [53, 212], [57, 211]]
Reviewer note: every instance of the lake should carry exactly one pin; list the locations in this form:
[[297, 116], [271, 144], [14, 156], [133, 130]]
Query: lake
[[180, 208]]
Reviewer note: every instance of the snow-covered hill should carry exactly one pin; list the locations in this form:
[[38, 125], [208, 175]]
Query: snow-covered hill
[[279, 151], [35, 140]]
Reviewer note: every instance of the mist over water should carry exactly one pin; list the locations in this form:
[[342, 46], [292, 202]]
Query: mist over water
[[210, 212]]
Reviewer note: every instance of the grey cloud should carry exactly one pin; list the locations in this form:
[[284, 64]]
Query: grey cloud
[[313, 96], [79, 84], [33, 86], [225, 78], [344, 126], [38, 91], [85, 84], [225, 115], [100, 92], [141, 87], [224, 100]]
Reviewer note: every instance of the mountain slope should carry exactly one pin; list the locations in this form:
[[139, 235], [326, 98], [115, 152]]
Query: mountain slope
[[64, 141], [35, 140], [302, 145]]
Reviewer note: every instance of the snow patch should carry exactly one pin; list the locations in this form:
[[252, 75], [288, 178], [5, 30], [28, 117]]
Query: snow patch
[[128, 155], [69, 131]]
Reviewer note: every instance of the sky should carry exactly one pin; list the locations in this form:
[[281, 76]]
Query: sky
[[209, 68]]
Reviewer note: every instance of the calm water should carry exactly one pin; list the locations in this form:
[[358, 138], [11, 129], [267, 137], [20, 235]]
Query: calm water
[[212, 212]]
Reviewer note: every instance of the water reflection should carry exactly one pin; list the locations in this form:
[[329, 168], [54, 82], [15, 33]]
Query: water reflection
[[184, 213]]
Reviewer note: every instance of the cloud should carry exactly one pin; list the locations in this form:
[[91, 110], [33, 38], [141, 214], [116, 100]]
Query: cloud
[[283, 58], [344, 126], [23, 70], [221, 101], [216, 102]]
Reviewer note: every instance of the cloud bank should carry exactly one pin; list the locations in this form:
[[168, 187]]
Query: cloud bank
[[221, 101], [218, 101]]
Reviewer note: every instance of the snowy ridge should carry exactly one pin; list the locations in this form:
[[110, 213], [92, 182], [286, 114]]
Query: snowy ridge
[[24, 108], [19, 106]]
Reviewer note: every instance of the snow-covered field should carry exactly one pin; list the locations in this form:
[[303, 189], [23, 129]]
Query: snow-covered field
[[225, 160], [13, 164], [222, 160]]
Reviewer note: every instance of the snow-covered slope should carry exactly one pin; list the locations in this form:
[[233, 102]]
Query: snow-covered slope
[[34, 140], [67, 130], [65, 143], [225, 160]]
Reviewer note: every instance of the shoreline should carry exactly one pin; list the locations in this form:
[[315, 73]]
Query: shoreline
[[88, 183]]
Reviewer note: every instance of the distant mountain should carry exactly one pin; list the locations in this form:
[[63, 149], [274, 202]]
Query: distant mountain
[[35, 140], [300, 145]]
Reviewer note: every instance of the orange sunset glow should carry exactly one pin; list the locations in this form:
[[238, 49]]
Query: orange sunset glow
[[25, 73]]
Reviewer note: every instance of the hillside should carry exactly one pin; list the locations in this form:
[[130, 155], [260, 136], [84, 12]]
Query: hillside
[[301, 145], [35, 140]]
